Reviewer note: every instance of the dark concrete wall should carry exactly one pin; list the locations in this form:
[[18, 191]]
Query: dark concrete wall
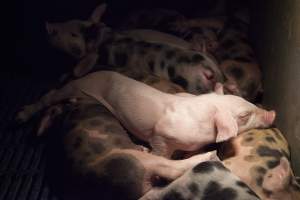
[[276, 26]]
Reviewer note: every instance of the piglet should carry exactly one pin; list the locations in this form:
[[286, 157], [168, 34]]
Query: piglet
[[168, 122], [260, 157], [206, 181]]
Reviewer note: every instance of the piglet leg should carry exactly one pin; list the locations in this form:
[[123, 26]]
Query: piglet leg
[[172, 169], [85, 65]]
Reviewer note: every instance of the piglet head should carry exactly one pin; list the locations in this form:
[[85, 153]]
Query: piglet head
[[68, 37], [71, 36], [280, 183], [246, 114]]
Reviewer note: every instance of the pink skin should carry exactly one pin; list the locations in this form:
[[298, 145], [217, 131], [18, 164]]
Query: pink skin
[[173, 122]]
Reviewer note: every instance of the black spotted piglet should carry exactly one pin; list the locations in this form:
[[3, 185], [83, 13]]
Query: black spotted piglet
[[206, 181]]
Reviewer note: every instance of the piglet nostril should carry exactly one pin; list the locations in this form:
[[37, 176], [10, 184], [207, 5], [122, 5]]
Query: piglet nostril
[[270, 116]]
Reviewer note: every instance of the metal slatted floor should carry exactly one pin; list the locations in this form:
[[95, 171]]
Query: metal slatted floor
[[22, 161]]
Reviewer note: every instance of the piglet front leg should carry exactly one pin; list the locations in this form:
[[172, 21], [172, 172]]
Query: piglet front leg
[[86, 64]]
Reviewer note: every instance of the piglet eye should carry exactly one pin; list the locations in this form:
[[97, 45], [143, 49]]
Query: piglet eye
[[245, 115], [243, 118]]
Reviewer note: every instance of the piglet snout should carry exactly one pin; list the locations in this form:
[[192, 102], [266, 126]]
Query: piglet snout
[[270, 117]]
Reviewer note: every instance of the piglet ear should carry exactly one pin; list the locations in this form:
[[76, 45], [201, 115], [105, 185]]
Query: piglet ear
[[219, 88], [226, 126], [98, 13]]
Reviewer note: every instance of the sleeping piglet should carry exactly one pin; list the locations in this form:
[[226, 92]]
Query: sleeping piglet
[[168, 122]]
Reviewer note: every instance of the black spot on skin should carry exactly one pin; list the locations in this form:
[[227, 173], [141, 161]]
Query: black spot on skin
[[194, 188], [226, 150], [171, 71], [120, 59], [272, 163], [237, 72], [213, 191], [265, 151], [124, 175], [183, 59], [249, 139], [277, 134], [170, 54], [197, 58], [259, 181], [114, 128], [172, 195], [211, 188], [261, 170], [270, 139], [97, 146], [180, 81], [204, 167], [162, 64], [151, 65], [77, 142], [241, 184]]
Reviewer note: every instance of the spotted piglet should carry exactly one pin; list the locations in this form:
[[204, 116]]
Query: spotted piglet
[[195, 72], [206, 181], [260, 157]]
